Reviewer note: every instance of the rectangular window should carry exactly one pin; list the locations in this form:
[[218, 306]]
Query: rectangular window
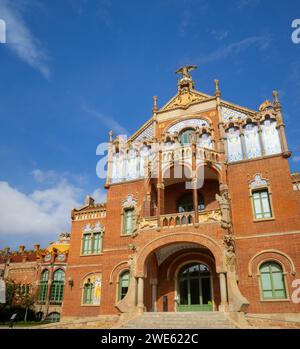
[[128, 221], [87, 244], [261, 204], [97, 243]]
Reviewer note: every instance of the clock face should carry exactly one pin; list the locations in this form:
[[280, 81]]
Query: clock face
[[47, 258], [61, 257]]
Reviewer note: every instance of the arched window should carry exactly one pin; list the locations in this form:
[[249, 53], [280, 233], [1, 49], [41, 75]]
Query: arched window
[[57, 286], [53, 317], [272, 281], [186, 136], [123, 284], [39, 316], [186, 203], [92, 290], [43, 288], [88, 292]]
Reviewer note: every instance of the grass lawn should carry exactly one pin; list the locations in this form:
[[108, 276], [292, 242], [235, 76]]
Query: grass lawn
[[22, 324]]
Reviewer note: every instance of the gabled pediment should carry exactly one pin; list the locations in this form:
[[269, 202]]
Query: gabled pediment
[[184, 99]]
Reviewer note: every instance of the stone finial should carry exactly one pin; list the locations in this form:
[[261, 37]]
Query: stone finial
[[155, 108], [36, 247], [275, 96], [217, 92], [21, 248], [111, 134]]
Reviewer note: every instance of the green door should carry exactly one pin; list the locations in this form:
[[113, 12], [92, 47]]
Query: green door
[[194, 288]]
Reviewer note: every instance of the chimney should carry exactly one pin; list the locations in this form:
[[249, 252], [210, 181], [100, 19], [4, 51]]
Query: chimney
[[6, 250], [36, 247], [21, 249]]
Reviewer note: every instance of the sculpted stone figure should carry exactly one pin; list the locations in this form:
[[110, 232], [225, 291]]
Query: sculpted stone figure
[[224, 203], [230, 256], [185, 71]]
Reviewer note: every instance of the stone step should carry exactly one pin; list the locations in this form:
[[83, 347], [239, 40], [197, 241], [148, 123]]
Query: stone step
[[190, 320]]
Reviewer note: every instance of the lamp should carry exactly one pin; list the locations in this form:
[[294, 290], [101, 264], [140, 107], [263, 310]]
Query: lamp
[[70, 281]]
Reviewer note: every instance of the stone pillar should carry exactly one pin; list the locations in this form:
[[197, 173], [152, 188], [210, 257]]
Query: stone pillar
[[160, 191], [284, 145], [154, 294], [109, 161], [223, 291], [140, 295], [222, 139], [263, 152], [194, 184], [243, 143]]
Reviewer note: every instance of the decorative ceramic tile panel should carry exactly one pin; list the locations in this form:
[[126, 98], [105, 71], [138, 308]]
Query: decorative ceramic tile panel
[[234, 145], [253, 147], [188, 123], [232, 115], [271, 137], [205, 141], [147, 133]]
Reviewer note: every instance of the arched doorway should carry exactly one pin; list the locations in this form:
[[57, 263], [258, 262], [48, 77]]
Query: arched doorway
[[194, 288]]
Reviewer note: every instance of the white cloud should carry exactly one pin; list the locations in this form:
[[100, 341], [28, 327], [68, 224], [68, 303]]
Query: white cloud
[[41, 213], [262, 42], [20, 39], [108, 121]]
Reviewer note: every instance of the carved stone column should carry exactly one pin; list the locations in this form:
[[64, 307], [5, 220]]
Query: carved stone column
[[154, 294], [140, 295], [109, 160], [194, 184], [223, 292], [263, 151], [243, 143], [222, 139]]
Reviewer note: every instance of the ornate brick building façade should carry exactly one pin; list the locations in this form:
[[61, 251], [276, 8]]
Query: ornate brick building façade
[[38, 274], [202, 214]]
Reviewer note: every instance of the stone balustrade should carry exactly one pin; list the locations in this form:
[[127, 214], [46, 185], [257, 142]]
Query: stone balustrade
[[180, 219]]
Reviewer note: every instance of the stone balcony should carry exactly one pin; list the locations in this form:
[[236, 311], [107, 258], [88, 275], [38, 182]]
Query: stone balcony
[[183, 219]]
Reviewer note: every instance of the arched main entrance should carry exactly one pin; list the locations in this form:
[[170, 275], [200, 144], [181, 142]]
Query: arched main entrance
[[194, 287]]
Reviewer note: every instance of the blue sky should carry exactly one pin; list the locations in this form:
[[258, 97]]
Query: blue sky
[[73, 69]]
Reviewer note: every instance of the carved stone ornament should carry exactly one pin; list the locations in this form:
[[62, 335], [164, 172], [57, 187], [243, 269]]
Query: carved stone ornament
[[266, 105], [224, 204], [258, 182], [129, 202]]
